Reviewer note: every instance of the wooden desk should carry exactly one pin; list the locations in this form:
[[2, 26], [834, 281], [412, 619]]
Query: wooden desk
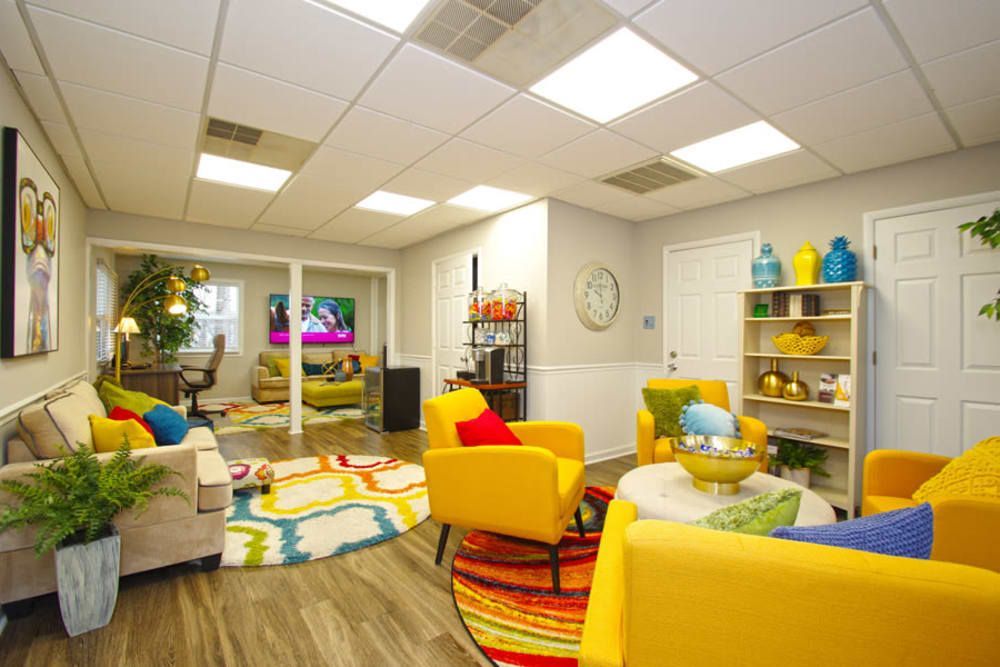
[[159, 381]]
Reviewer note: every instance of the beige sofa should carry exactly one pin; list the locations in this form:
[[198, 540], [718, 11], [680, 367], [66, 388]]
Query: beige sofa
[[266, 388], [170, 531]]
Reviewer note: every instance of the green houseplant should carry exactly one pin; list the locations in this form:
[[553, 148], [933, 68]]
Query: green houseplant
[[71, 502], [800, 460], [987, 229]]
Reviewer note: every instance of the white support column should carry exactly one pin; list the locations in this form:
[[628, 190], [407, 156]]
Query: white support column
[[295, 347]]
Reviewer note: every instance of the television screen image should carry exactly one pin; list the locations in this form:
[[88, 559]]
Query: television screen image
[[325, 319]]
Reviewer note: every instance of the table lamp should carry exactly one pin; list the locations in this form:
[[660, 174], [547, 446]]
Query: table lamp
[[126, 325]]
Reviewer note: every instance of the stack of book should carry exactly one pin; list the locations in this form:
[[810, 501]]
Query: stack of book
[[786, 304]]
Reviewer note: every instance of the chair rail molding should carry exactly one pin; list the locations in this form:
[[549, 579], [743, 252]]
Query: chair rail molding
[[9, 413]]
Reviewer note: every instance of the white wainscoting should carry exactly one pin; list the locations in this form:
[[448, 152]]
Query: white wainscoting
[[427, 390]]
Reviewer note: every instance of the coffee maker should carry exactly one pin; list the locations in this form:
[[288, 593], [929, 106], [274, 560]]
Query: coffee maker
[[488, 364]]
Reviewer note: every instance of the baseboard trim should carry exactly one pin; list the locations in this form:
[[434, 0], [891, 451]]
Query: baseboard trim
[[10, 412], [606, 454], [226, 399]]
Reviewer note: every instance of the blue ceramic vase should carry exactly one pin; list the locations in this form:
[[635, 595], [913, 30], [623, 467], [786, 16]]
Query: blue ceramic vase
[[766, 269], [840, 265]]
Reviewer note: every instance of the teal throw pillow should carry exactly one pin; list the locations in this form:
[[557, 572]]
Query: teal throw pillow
[[708, 419], [169, 428], [758, 515], [312, 369], [666, 405]]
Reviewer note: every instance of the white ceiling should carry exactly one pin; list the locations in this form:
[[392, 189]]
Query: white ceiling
[[123, 90]]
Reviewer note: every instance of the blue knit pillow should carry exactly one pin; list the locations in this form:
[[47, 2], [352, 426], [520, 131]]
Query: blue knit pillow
[[907, 532], [708, 419], [169, 428]]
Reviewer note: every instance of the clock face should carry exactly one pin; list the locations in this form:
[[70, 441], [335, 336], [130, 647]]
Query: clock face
[[597, 297]]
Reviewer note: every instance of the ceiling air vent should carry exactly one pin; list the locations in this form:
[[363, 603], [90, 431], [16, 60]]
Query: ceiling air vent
[[650, 176], [223, 129], [466, 28]]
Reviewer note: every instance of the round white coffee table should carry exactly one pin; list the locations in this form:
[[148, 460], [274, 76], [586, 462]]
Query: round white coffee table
[[664, 491]]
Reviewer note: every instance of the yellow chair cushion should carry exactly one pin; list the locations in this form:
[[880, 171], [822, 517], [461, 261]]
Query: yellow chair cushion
[[662, 453], [284, 367], [108, 434], [974, 473], [570, 480]]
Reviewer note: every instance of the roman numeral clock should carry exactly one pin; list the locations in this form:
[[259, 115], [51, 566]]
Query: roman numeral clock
[[597, 296]]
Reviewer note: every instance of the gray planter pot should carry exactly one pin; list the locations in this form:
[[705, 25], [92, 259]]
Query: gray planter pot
[[801, 476], [87, 575]]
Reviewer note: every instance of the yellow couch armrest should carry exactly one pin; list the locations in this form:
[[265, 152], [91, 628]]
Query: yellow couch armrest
[[601, 645], [966, 530], [897, 473], [645, 436], [564, 439], [257, 374]]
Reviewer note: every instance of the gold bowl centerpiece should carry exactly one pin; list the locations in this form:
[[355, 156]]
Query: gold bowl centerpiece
[[717, 464]]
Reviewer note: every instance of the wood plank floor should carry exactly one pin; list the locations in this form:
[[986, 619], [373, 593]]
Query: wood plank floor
[[384, 605]]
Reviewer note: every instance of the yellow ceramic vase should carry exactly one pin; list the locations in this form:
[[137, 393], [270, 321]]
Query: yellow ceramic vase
[[806, 263]]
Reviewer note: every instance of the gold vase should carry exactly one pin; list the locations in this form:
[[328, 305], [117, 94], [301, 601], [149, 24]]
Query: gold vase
[[771, 382], [796, 390], [806, 263]]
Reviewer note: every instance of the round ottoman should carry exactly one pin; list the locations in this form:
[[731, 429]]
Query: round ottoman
[[251, 474]]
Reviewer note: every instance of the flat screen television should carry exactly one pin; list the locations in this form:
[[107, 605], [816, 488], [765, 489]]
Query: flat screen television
[[325, 319]]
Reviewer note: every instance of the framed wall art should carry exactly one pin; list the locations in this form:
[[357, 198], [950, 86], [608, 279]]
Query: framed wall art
[[29, 263]]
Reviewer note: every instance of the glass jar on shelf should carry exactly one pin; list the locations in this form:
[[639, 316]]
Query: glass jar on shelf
[[505, 302], [478, 303]]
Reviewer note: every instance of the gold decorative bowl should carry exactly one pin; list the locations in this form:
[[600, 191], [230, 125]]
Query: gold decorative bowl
[[717, 464], [792, 343]]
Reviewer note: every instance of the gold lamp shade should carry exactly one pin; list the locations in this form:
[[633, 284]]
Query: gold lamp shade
[[127, 326], [175, 304], [199, 274], [175, 284]]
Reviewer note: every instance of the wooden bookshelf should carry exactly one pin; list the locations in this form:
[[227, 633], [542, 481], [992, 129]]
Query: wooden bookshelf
[[844, 353]]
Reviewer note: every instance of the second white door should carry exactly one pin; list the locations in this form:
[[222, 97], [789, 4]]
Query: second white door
[[452, 284]]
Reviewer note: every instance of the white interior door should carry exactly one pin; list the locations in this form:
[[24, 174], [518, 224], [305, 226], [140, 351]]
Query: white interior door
[[452, 284], [937, 377], [701, 302]]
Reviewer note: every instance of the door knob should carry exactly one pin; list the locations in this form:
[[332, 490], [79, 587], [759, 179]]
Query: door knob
[[673, 354], [671, 367]]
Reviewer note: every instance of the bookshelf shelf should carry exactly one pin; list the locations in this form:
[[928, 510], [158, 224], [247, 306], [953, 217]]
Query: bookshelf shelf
[[796, 404], [826, 441], [797, 357], [796, 319]]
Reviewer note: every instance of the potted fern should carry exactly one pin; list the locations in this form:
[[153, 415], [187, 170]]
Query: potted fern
[[72, 502], [799, 461]]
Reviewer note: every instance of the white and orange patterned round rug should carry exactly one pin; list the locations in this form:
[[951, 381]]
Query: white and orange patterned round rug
[[323, 506]]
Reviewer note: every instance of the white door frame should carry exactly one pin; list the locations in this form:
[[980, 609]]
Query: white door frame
[[753, 237], [477, 252], [869, 220]]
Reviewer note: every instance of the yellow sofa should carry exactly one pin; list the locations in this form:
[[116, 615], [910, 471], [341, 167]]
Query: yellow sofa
[[966, 529], [667, 594], [530, 492], [266, 388], [651, 449]]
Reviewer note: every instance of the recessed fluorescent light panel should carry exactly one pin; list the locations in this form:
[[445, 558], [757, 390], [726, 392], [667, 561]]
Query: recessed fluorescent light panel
[[485, 198], [618, 74], [243, 174], [393, 14], [746, 144], [390, 202]]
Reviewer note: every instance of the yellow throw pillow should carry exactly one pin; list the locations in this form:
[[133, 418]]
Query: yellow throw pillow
[[109, 433], [369, 361], [974, 473], [284, 367]]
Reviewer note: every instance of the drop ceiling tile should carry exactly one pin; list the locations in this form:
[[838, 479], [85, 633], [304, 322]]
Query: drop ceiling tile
[[308, 202], [686, 118], [526, 127], [186, 24], [423, 226], [423, 87], [15, 42], [134, 154], [99, 57], [627, 7], [61, 137], [719, 34], [842, 55], [346, 170], [353, 225], [698, 193], [784, 171], [977, 122], [967, 76], [304, 43], [41, 97], [115, 114], [463, 159], [597, 154], [242, 96], [84, 183], [225, 205], [427, 185], [889, 100], [933, 28], [637, 208], [281, 231], [590, 194], [535, 179], [152, 183], [908, 140], [372, 133]]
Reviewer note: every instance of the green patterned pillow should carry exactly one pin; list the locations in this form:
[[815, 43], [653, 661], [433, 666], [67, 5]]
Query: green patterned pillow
[[272, 367], [666, 404], [758, 515]]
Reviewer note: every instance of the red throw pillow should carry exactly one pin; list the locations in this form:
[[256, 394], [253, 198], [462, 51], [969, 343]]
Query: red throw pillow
[[120, 414], [486, 429]]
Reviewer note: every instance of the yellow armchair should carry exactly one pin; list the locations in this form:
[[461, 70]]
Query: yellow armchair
[[965, 528], [651, 449], [530, 492], [666, 593]]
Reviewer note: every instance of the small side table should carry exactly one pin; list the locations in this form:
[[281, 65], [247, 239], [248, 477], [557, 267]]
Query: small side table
[[251, 474]]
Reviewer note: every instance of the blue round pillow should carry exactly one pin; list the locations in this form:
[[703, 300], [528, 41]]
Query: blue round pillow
[[707, 419]]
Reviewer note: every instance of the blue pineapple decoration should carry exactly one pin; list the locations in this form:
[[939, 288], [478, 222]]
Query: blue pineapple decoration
[[840, 265]]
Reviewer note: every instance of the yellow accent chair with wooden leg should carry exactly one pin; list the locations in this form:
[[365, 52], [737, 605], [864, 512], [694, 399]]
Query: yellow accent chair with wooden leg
[[651, 449], [530, 491]]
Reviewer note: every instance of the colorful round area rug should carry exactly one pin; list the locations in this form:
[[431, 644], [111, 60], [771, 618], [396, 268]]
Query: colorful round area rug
[[254, 416], [323, 506], [503, 590]]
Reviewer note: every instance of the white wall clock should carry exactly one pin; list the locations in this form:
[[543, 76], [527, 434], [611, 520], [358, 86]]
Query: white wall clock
[[597, 296]]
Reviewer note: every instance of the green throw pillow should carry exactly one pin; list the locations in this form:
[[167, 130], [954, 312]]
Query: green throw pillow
[[272, 367], [758, 515], [666, 404], [113, 396]]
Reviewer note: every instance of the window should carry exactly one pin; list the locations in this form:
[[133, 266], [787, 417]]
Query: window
[[222, 313], [105, 312]]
